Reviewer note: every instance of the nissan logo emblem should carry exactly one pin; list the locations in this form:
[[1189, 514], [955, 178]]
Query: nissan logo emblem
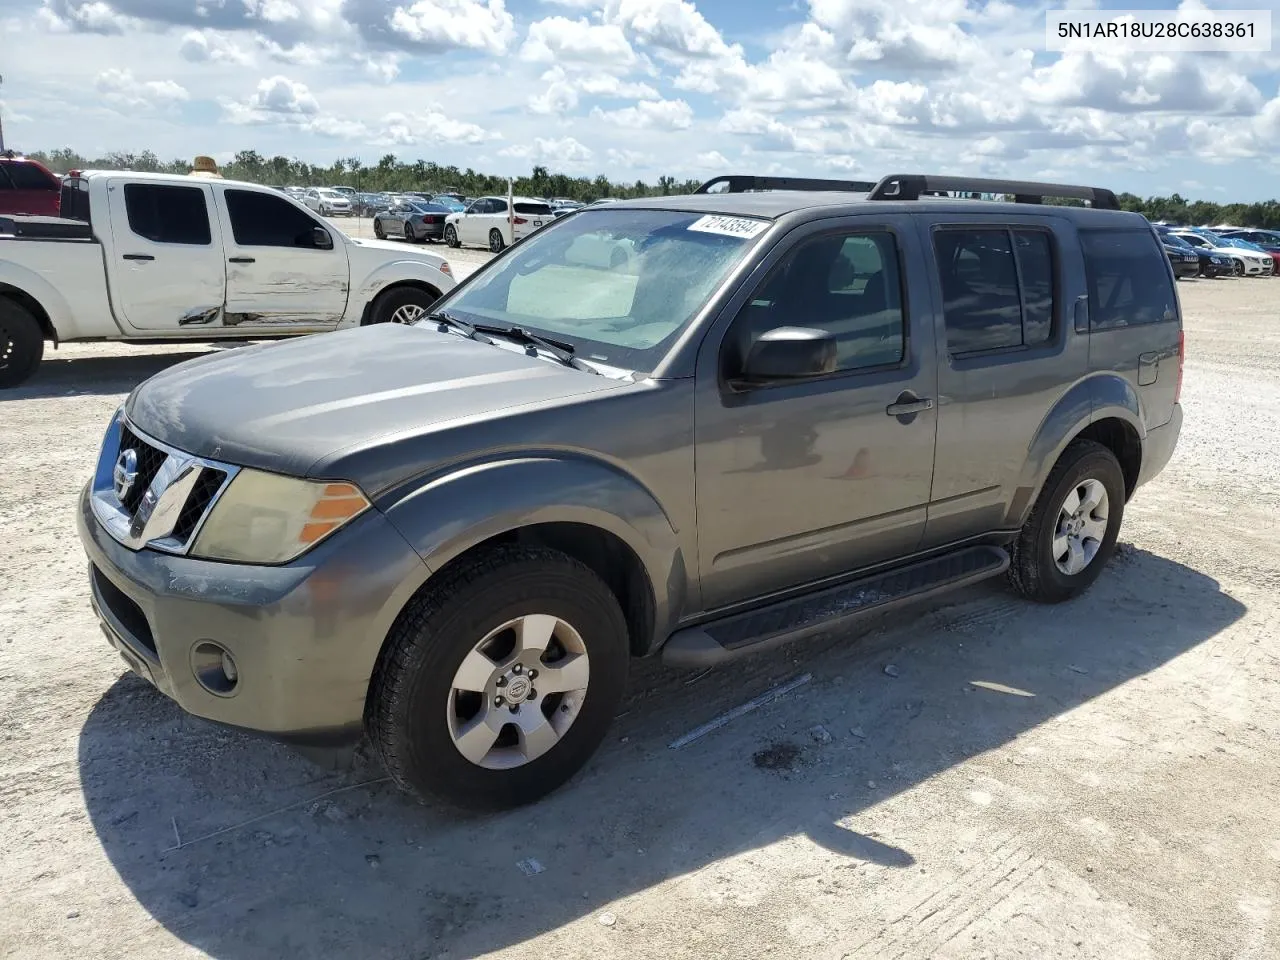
[[125, 473]]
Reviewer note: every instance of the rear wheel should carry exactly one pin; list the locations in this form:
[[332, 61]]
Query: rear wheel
[[451, 236], [1071, 533], [408, 233], [21, 343], [496, 242], [498, 683], [378, 231]]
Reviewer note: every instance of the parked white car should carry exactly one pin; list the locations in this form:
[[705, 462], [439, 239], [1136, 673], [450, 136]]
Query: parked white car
[[327, 203], [145, 256], [487, 223], [1248, 263]]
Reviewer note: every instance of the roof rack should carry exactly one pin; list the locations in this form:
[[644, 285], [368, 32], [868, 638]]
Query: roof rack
[[912, 186], [740, 184]]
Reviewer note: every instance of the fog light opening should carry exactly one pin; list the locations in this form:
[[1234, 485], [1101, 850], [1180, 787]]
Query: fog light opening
[[214, 668]]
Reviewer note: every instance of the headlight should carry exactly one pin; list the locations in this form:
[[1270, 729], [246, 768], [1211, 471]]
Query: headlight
[[266, 518]]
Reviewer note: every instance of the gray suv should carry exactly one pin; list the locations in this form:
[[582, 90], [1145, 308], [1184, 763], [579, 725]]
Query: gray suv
[[693, 426]]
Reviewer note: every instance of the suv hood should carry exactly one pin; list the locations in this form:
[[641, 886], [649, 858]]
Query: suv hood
[[289, 407]]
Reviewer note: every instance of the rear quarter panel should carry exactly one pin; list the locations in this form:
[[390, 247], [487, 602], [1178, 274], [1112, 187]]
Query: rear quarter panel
[[67, 278]]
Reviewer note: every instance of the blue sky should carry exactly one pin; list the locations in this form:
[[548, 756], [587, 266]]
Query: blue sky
[[640, 88]]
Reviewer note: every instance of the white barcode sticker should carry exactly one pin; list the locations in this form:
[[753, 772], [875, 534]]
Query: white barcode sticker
[[743, 227]]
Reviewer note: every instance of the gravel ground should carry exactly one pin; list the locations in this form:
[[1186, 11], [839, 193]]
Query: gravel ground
[[1113, 795]]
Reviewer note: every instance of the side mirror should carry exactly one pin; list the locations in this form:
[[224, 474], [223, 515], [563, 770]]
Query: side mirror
[[321, 239], [790, 353]]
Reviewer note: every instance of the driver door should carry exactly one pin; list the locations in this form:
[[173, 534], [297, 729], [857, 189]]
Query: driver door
[[278, 276], [802, 480]]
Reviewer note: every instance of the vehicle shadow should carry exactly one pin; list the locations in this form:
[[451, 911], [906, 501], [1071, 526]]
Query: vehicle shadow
[[275, 863], [96, 375]]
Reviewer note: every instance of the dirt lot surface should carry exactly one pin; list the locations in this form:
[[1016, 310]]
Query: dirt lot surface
[[1115, 795]]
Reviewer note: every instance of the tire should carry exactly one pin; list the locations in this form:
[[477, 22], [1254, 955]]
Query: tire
[[1238, 269], [21, 343], [1034, 571], [495, 241], [408, 233], [451, 236], [412, 706], [402, 301], [378, 231]]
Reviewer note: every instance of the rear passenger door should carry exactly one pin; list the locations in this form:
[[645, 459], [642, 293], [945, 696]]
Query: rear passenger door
[[1004, 289], [1134, 316], [807, 479], [165, 261]]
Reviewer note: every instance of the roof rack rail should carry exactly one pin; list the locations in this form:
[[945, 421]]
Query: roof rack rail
[[740, 184], [912, 186]]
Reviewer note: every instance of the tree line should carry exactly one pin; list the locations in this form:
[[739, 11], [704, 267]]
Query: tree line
[[391, 174]]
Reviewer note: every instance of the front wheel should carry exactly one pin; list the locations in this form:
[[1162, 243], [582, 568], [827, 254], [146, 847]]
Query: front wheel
[[403, 305], [1072, 530], [21, 343], [451, 236], [1238, 269], [496, 242], [497, 684]]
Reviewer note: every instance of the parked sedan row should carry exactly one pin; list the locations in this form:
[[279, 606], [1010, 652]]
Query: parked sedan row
[[1215, 255]]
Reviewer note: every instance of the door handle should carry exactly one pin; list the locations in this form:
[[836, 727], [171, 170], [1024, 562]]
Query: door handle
[[138, 256], [241, 260], [908, 405]]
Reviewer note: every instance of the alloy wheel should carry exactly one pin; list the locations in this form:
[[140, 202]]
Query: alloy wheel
[[1081, 526]]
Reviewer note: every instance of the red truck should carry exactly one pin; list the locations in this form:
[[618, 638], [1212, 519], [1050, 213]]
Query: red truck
[[27, 187]]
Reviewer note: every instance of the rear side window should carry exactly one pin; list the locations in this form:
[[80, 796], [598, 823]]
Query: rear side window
[[261, 220], [997, 287], [167, 214], [5, 182], [1129, 282], [27, 176]]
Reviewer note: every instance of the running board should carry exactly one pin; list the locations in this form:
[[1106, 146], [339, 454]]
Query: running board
[[719, 641]]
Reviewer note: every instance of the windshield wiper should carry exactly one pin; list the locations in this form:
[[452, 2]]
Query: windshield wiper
[[446, 319], [561, 351]]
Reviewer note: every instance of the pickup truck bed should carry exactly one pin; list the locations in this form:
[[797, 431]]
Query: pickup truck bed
[[44, 228]]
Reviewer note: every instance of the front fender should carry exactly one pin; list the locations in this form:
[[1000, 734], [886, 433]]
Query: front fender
[[450, 514], [1098, 397], [397, 271]]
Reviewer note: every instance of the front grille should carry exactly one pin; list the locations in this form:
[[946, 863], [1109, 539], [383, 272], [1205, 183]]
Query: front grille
[[150, 460], [202, 494]]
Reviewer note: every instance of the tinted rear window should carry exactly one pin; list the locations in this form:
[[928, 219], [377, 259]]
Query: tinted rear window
[[27, 176], [1129, 282], [165, 214], [535, 209]]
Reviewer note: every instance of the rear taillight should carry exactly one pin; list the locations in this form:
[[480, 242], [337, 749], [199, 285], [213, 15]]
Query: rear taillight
[[519, 221], [1182, 357]]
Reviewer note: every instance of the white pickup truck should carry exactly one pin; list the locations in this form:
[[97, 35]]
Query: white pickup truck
[[139, 256]]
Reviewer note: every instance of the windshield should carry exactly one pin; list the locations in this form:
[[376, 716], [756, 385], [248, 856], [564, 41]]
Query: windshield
[[617, 284]]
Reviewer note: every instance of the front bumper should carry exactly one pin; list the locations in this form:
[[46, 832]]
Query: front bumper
[[304, 636], [1158, 447]]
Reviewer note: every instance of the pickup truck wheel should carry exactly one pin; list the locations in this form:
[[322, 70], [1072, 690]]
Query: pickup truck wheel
[[1071, 533], [497, 684], [451, 236], [21, 343], [402, 305], [495, 241]]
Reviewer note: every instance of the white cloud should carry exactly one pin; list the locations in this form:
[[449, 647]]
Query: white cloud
[[559, 40], [207, 46], [711, 160], [438, 25], [566, 151], [428, 126], [675, 26], [121, 88], [650, 115], [93, 16]]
